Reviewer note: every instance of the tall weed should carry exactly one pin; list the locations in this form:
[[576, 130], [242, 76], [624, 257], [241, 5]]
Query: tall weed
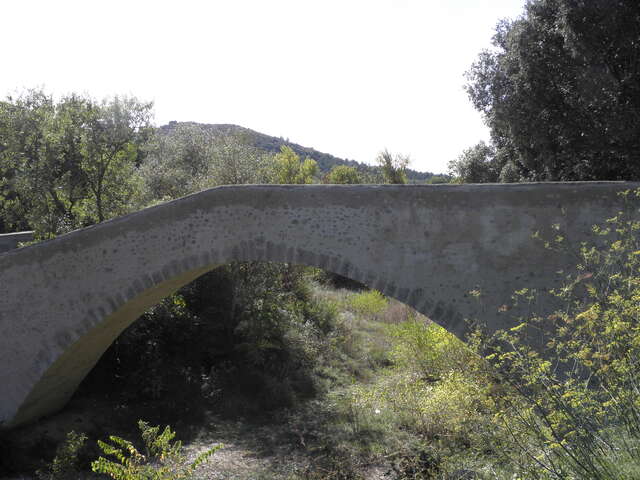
[[577, 412]]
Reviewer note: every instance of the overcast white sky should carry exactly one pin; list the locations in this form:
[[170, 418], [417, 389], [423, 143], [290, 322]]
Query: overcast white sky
[[347, 77]]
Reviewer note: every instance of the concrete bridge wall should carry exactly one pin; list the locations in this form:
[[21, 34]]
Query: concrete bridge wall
[[9, 241], [63, 302]]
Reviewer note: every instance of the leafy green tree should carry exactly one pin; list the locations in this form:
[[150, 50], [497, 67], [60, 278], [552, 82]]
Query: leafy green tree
[[112, 138], [288, 169], [190, 158], [393, 167], [343, 174], [41, 177], [177, 163], [560, 91], [235, 161], [476, 165], [69, 163]]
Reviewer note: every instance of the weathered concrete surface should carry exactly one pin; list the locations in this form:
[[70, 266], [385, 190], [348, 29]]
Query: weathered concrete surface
[[64, 301], [9, 241]]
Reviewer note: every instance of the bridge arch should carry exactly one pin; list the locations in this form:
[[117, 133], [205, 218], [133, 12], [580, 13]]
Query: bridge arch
[[63, 302]]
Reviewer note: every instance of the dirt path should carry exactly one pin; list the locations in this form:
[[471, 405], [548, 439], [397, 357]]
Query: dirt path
[[259, 452]]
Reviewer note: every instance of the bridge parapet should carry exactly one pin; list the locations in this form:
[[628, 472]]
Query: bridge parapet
[[9, 241]]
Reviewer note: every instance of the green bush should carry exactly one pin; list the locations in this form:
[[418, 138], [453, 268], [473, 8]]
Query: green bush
[[246, 338], [427, 348], [368, 304], [162, 460], [66, 463]]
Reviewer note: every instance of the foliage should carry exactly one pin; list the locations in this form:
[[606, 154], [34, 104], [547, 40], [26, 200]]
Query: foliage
[[255, 338], [65, 465], [578, 415], [369, 303], [428, 349], [112, 136], [422, 462], [393, 167], [289, 169], [431, 419], [436, 386], [162, 460], [447, 408], [560, 91], [70, 163], [270, 146], [190, 158], [342, 174], [479, 164]]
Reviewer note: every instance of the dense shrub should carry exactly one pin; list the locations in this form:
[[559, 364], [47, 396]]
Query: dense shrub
[[246, 337], [66, 464], [162, 458], [368, 303], [429, 349]]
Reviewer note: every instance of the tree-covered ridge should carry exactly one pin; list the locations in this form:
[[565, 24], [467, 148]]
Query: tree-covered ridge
[[273, 145]]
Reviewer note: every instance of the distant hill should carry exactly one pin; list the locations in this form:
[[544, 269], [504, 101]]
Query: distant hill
[[271, 144]]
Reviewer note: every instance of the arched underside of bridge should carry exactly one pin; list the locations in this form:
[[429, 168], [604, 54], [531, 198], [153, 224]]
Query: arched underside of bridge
[[63, 302]]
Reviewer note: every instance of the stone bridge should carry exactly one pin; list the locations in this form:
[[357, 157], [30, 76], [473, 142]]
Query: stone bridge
[[64, 301]]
